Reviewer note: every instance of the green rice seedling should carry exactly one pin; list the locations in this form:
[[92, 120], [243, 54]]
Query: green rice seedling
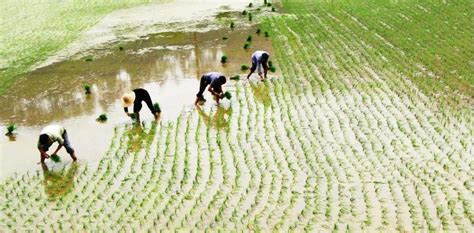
[[258, 31], [270, 63], [223, 59], [156, 107], [225, 38], [244, 12], [88, 59], [133, 116], [236, 77], [267, 34], [250, 16], [11, 129], [249, 38], [228, 95], [272, 69], [265, 2], [269, 4], [246, 46], [120, 48], [273, 9], [102, 118], [232, 25], [250, 4], [87, 88], [55, 158], [244, 67]]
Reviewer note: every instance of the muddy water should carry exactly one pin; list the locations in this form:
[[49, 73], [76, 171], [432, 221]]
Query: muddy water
[[168, 65]]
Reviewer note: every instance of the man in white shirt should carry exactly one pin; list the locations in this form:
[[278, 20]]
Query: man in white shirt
[[259, 61], [51, 134]]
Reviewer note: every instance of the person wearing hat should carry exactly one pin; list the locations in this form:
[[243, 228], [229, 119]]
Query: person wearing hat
[[51, 134], [215, 80], [259, 61], [136, 97]]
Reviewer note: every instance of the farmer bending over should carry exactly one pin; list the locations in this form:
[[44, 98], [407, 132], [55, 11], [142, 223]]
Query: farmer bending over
[[51, 134], [259, 60], [136, 97], [215, 81]]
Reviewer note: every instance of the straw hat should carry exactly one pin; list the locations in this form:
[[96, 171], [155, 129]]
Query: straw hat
[[128, 99]]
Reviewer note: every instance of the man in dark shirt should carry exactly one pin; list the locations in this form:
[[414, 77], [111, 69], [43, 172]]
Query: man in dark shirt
[[136, 97], [215, 81]]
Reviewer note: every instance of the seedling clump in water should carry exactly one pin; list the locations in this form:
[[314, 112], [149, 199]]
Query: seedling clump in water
[[250, 4], [232, 25], [273, 9], [88, 58], [225, 38], [223, 59], [246, 45], [267, 34], [102, 117], [55, 158], [244, 12], [87, 88], [244, 67], [258, 31], [227, 95], [249, 38], [236, 77], [250, 16], [156, 107], [10, 129]]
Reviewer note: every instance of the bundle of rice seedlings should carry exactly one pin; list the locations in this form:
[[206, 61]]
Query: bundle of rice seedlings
[[232, 25], [87, 88], [223, 59], [267, 34], [55, 158], [10, 129], [246, 45], [249, 38], [102, 117], [236, 77], [227, 95], [156, 107], [244, 67], [88, 58]]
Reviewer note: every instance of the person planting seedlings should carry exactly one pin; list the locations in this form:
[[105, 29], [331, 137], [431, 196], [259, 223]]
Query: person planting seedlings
[[136, 97], [215, 81], [51, 134], [259, 61]]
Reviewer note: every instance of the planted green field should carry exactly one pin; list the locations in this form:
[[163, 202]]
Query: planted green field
[[33, 30], [345, 140]]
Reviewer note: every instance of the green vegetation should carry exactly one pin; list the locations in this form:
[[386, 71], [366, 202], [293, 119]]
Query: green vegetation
[[244, 67], [232, 25], [102, 117], [249, 38], [49, 31], [11, 129], [267, 34], [121, 48], [343, 141], [225, 38], [246, 46], [258, 31], [88, 88], [227, 95], [244, 12], [55, 158], [235, 77], [88, 59], [156, 107], [250, 17], [223, 59], [250, 5]]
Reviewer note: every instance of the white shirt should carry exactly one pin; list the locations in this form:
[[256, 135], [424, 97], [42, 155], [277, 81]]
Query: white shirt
[[55, 132], [257, 58]]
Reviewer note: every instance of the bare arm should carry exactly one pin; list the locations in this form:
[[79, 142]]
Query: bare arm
[[57, 149], [43, 155]]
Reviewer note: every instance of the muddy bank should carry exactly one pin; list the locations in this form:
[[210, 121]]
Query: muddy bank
[[168, 65]]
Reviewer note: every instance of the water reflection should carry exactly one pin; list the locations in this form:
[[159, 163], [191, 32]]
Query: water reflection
[[139, 136], [220, 119], [58, 183], [261, 94]]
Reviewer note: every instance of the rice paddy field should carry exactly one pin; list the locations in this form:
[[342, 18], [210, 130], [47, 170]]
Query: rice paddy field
[[366, 127]]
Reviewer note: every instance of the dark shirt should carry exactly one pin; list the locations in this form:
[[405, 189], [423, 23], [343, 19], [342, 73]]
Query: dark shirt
[[140, 95]]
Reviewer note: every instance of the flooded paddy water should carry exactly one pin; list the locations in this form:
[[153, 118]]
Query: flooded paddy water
[[168, 65]]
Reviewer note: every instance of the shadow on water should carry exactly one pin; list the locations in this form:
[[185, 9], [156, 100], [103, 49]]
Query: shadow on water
[[58, 183]]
